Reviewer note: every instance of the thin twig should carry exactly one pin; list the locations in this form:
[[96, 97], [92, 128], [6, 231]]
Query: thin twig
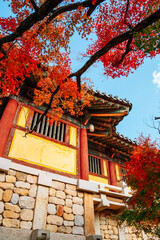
[[128, 49], [45, 112]]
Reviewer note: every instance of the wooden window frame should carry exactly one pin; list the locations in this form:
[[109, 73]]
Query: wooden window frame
[[101, 167]]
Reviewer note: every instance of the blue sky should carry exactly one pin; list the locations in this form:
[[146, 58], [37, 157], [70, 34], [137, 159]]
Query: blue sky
[[138, 88], [142, 88]]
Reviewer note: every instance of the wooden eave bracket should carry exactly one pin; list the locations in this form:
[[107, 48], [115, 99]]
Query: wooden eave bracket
[[114, 114], [107, 204]]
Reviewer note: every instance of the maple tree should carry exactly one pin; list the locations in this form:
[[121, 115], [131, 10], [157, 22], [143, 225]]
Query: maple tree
[[143, 175], [34, 42]]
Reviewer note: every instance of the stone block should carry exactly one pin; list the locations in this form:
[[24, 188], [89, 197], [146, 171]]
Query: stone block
[[1, 207], [21, 176], [26, 202], [55, 220], [52, 192], [7, 195], [32, 179], [10, 214], [78, 231], [11, 172], [6, 186], [102, 222], [45, 179], [68, 230], [2, 177], [59, 210], [80, 194], [60, 194], [69, 197], [21, 184], [115, 230], [78, 209], [11, 223], [71, 192], [110, 227], [79, 220], [71, 187], [87, 186], [21, 191], [106, 235], [25, 225], [102, 226], [112, 222], [77, 200], [69, 203], [68, 223], [52, 209], [110, 232], [33, 191], [62, 229], [67, 209], [15, 198], [128, 237], [58, 185], [114, 237], [40, 212], [1, 194], [52, 228], [69, 216], [10, 179], [0, 219], [11, 207], [56, 200], [26, 215]]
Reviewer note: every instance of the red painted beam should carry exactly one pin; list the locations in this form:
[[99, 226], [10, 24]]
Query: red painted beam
[[84, 166], [112, 173], [6, 122]]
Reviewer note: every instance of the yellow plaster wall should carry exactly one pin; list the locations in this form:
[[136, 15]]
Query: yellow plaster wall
[[23, 117], [43, 152], [105, 168], [73, 136], [117, 172], [98, 179]]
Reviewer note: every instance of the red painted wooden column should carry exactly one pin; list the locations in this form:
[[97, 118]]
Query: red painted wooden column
[[112, 171], [84, 166], [6, 122]]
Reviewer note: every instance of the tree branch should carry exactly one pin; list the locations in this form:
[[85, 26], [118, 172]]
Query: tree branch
[[34, 5], [64, 9], [125, 16], [42, 12], [119, 39], [32, 19], [156, 118], [126, 51], [93, 7]]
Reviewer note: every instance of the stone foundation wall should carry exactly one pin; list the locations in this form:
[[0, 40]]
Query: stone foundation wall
[[29, 202], [111, 231], [26, 205], [65, 209], [108, 227]]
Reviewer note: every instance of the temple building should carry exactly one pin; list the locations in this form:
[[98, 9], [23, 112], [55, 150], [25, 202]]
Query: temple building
[[64, 180]]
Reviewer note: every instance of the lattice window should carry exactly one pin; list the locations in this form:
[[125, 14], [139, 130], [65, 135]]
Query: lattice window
[[94, 164], [55, 131]]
